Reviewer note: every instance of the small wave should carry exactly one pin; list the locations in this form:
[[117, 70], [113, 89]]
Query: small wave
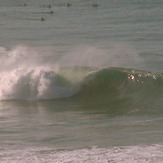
[[124, 154]]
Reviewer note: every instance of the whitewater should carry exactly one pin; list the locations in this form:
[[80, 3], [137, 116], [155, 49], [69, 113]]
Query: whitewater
[[81, 81]]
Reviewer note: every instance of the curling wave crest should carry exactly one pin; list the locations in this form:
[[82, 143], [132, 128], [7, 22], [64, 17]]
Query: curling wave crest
[[29, 74]]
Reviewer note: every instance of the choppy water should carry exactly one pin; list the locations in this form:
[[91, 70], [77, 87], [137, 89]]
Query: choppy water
[[81, 82]]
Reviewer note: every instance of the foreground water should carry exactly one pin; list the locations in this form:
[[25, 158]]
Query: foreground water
[[83, 85]]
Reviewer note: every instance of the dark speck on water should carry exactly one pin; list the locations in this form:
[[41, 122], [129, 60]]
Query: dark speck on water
[[68, 4], [94, 5], [42, 19]]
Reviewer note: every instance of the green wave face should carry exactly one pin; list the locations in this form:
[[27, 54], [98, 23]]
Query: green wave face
[[122, 90], [116, 90], [122, 82]]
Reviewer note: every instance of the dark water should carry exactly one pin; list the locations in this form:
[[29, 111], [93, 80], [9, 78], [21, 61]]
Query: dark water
[[83, 84]]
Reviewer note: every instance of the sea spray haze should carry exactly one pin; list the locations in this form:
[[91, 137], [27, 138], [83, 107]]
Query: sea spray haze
[[85, 84], [28, 75]]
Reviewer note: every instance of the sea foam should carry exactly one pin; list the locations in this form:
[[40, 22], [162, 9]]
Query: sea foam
[[125, 154]]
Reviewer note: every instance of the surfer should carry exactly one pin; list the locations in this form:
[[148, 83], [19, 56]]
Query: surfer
[[42, 19], [94, 5], [68, 4], [52, 12], [24, 5], [49, 6]]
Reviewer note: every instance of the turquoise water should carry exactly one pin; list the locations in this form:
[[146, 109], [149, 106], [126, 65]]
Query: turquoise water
[[81, 81]]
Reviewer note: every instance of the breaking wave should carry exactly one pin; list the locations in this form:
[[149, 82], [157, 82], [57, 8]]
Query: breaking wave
[[105, 84], [34, 84], [27, 75]]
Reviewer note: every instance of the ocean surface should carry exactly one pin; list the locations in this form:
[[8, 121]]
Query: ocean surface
[[81, 81]]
